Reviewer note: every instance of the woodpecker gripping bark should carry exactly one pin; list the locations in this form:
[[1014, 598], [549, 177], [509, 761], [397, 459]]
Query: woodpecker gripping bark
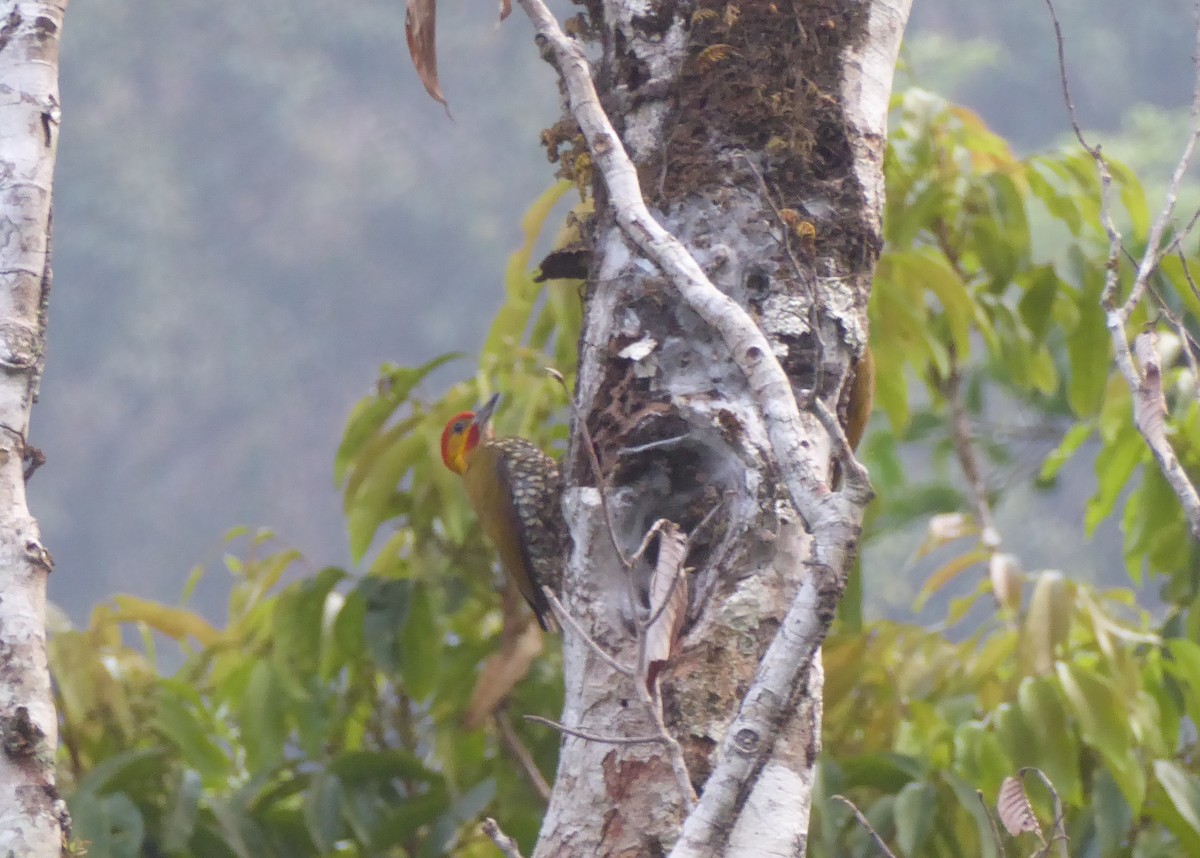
[[515, 490]]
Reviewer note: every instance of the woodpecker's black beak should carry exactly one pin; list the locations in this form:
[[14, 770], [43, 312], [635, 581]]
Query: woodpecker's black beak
[[485, 412]]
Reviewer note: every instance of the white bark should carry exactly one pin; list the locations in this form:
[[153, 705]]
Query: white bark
[[724, 385], [33, 819]]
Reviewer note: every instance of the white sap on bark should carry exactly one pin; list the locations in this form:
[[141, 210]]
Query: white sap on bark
[[33, 821]]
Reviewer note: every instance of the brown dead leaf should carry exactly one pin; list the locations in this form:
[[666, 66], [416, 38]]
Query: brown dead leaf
[[420, 26], [502, 671], [1015, 811], [1005, 573], [1150, 404], [505, 9], [668, 600]]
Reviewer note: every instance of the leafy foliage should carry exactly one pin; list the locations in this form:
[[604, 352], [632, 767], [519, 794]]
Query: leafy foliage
[[325, 716]]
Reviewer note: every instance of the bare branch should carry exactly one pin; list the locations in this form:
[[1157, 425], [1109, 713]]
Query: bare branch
[[992, 822], [1060, 814], [1146, 414], [964, 449], [521, 754], [567, 621], [595, 737], [506, 845], [597, 475], [862, 820]]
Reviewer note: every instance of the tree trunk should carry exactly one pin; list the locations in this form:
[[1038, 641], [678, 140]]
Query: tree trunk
[[33, 818], [757, 132]]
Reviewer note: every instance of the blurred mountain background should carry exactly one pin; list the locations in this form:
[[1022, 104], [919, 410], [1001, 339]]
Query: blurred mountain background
[[257, 204]]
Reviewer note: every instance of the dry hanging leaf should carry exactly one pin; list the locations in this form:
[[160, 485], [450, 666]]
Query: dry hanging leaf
[[420, 25], [1015, 811], [1005, 573], [668, 600], [520, 644], [1150, 403]]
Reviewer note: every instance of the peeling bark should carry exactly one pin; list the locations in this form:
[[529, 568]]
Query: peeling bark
[[707, 377], [33, 818]]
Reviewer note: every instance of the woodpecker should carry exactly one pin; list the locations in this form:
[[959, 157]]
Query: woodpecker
[[515, 490]]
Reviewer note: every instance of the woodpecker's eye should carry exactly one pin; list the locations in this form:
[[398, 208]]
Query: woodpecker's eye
[[460, 426]]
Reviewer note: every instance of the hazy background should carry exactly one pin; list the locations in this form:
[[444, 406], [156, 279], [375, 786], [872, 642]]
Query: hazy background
[[256, 204]]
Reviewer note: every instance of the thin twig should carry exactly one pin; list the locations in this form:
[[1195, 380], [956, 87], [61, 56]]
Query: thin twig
[[862, 820], [1117, 313], [597, 474], [524, 759], [595, 737], [566, 620], [503, 842], [857, 481], [1060, 813], [1000, 850], [964, 449], [674, 751]]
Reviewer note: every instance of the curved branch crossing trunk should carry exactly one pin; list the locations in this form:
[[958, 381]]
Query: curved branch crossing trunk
[[33, 818], [757, 133]]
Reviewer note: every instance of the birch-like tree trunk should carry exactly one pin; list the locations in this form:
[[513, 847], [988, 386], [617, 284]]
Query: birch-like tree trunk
[[33, 818], [757, 132]]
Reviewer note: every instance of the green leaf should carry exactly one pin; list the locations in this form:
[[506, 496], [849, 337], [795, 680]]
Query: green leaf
[[121, 771], [356, 767], [264, 725], [111, 825], [979, 757], [1114, 468], [1054, 745], [1104, 724], [323, 811], [387, 606], [1112, 814], [1067, 447], [421, 644], [180, 819], [968, 799], [176, 623], [1183, 788], [1088, 347], [1040, 289], [465, 809], [914, 812], [1048, 621], [410, 815], [181, 722], [369, 415]]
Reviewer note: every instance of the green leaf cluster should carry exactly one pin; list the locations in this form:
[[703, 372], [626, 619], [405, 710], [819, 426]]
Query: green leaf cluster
[[325, 718]]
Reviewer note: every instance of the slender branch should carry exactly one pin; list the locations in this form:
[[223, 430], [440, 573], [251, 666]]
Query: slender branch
[[833, 519], [996, 839], [597, 474], [1146, 416], [964, 449], [567, 621], [521, 754], [862, 820], [1060, 813], [595, 737], [654, 644], [507, 846]]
